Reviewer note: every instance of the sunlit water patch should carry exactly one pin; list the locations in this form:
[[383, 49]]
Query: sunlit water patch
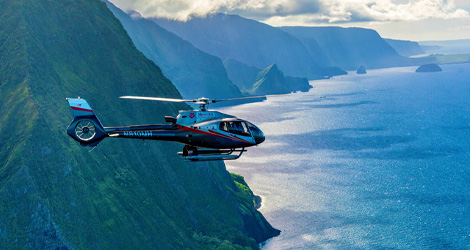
[[370, 161]]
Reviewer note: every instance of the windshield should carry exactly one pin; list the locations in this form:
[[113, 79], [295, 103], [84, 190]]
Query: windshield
[[255, 131], [235, 127]]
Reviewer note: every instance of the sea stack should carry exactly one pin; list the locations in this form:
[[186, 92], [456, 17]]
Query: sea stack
[[361, 70], [432, 67]]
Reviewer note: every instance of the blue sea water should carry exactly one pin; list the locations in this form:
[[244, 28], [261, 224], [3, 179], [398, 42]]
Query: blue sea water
[[376, 161]]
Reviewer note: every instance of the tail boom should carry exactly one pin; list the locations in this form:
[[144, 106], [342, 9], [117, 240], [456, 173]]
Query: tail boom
[[146, 132], [87, 129]]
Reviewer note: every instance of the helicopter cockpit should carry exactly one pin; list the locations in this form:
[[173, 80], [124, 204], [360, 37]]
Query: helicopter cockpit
[[242, 128], [235, 127]]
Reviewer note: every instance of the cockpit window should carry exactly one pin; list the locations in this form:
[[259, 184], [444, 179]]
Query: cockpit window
[[235, 127], [255, 131]]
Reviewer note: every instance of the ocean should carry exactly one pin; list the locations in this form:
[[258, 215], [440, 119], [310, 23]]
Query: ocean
[[375, 161]]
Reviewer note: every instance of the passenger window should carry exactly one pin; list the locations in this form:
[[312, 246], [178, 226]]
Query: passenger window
[[223, 126], [232, 128]]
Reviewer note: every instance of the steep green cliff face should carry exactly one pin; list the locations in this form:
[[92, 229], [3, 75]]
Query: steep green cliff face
[[194, 73], [125, 194]]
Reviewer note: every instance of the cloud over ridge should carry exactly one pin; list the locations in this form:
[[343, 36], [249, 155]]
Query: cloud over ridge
[[302, 11], [340, 11]]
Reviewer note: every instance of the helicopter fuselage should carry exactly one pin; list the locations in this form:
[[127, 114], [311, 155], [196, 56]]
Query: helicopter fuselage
[[208, 129]]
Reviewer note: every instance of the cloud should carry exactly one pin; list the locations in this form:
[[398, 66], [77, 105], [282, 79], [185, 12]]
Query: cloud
[[463, 28], [184, 9], [342, 11], [280, 12]]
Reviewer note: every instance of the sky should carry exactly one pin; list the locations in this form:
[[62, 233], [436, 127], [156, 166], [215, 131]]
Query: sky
[[417, 20]]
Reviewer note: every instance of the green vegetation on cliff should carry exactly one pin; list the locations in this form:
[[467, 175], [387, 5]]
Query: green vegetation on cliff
[[270, 81], [193, 72], [125, 194]]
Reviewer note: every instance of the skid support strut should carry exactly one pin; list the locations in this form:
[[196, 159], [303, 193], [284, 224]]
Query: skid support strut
[[196, 154]]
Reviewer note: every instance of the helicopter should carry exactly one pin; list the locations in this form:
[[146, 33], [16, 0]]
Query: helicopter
[[207, 135]]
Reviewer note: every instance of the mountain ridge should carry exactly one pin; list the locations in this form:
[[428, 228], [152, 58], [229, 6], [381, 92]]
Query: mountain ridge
[[194, 72], [248, 41], [405, 47], [349, 48], [55, 194], [271, 79]]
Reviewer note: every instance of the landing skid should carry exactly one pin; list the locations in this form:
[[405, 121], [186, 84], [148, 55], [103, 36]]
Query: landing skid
[[195, 154]]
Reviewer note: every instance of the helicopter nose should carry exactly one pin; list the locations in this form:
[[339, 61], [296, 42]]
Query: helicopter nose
[[257, 134], [259, 138]]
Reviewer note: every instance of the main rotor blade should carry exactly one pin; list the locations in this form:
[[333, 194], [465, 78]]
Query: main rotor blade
[[249, 97], [156, 99]]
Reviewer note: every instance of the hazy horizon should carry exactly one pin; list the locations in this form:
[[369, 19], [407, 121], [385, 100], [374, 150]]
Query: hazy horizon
[[417, 20]]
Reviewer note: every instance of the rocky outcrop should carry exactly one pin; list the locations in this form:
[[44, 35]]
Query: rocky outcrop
[[361, 70], [432, 67], [270, 81]]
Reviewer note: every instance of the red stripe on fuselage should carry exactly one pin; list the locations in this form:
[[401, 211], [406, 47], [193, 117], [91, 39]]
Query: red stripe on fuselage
[[228, 137], [213, 133], [81, 109]]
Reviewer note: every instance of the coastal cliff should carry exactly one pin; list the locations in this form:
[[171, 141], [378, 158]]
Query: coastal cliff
[[125, 194], [349, 47], [193, 72], [405, 48], [250, 42]]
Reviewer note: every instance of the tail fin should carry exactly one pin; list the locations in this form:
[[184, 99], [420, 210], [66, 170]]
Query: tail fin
[[85, 127], [80, 107]]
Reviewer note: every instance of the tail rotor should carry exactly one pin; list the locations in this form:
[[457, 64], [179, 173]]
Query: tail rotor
[[85, 130], [85, 127]]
